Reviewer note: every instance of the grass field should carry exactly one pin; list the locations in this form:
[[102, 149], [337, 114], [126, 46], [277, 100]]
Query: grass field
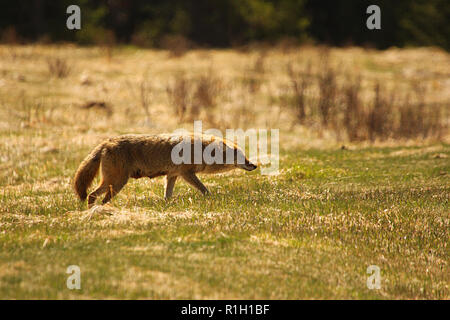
[[309, 232]]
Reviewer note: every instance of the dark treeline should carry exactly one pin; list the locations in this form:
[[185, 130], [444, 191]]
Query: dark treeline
[[223, 23]]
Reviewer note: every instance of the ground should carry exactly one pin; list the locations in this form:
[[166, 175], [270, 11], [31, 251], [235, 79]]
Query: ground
[[310, 232]]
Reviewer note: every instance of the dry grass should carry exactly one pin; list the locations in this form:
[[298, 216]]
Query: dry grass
[[58, 67], [342, 102], [143, 95], [180, 96], [301, 83], [204, 84], [177, 45], [206, 96], [195, 98]]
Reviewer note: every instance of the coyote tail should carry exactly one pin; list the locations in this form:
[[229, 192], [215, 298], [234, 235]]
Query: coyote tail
[[87, 171]]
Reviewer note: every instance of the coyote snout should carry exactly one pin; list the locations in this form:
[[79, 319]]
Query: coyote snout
[[138, 156], [248, 166]]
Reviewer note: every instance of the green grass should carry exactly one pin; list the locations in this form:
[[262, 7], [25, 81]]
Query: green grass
[[310, 232]]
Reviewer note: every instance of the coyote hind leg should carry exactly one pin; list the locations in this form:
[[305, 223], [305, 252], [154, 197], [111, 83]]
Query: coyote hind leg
[[102, 188], [193, 180], [113, 189]]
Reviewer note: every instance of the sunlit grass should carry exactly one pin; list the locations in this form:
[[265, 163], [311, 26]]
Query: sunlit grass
[[310, 232]]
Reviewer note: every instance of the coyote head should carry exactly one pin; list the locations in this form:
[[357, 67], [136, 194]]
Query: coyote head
[[217, 153], [239, 160]]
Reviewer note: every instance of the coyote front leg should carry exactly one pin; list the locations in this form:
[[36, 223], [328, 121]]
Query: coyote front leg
[[192, 179], [169, 186]]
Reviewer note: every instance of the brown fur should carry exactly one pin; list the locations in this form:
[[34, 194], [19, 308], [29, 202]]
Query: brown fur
[[137, 156]]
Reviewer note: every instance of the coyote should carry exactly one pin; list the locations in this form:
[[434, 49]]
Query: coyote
[[138, 156]]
